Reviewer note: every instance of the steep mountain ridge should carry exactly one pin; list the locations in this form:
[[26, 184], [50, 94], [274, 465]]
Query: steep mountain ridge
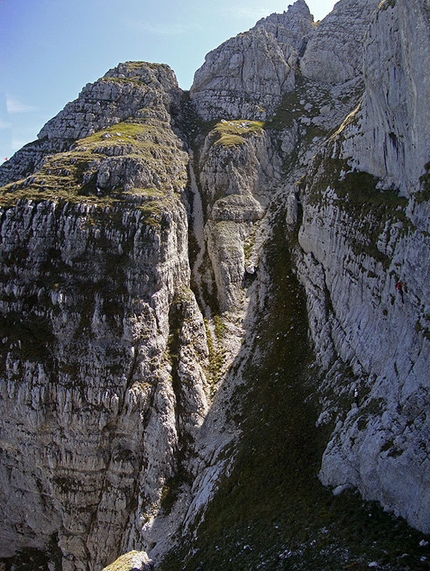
[[104, 274], [151, 244]]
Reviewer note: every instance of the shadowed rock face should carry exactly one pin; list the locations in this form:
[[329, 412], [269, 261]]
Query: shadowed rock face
[[133, 243]]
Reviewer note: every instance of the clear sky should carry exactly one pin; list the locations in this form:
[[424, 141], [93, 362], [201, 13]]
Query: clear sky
[[49, 49]]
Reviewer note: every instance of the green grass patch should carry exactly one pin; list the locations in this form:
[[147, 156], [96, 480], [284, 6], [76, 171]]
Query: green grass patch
[[297, 104], [230, 141], [117, 132], [72, 176], [233, 133], [216, 353], [123, 563]]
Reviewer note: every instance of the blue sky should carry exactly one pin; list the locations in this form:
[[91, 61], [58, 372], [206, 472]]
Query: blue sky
[[49, 49]]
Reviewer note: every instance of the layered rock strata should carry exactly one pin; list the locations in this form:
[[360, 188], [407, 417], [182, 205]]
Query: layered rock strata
[[115, 378], [127, 91], [103, 346]]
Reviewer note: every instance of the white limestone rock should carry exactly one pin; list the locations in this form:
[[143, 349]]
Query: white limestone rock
[[89, 294], [387, 137], [238, 182], [247, 75], [103, 380], [132, 89], [292, 28], [334, 53], [121, 93], [243, 78], [357, 249]]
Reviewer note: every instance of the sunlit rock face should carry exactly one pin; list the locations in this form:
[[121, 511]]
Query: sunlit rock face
[[367, 247], [100, 332], [334, 53], [133, 275], [131, 90], [86, 374], [237, 182], [246, 77], [388, 139]]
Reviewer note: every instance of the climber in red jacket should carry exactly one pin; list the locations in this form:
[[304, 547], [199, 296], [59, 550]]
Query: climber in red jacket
[[399, 287]]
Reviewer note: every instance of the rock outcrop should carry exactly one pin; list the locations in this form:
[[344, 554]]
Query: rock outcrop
[[387, 137], [334, 53], [238, 177], [131, 90], [246, 77], [365, 266], [103, 346], [142, 238]]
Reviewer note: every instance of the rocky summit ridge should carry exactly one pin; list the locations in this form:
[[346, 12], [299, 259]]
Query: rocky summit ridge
[[216, 308]]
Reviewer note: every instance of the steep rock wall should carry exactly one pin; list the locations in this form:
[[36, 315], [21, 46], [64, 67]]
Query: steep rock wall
[[103, 345], [238, 178], [334, 53], [359, 244], [389, 138], [112, 439], [246, 77]]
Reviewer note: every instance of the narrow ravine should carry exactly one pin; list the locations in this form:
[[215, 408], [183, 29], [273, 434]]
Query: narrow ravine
[[271, 512], [197, 227]]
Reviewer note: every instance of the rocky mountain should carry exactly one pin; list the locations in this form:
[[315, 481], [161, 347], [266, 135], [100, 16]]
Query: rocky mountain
[[216, 308]]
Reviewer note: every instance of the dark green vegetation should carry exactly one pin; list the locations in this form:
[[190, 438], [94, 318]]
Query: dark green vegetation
[[356, 188], [272, 513], [424, 193], [356, 194]]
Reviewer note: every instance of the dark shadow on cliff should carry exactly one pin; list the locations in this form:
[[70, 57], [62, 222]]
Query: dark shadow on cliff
[[272, 512]]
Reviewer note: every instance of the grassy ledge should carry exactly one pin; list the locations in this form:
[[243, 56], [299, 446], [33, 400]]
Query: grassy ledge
[[233, 133]]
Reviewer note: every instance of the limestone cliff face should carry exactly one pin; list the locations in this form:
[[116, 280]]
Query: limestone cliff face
[[246, 76], [387, 138], [103, 346], [135, 236], [360, 243], [334, 53]]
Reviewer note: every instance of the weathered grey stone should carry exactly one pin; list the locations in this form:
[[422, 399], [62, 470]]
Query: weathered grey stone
[[92, 314], [387, 137], [334, 53], [237, 181], [107, 396], [356, 254], [247, 76], [132, 89]]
